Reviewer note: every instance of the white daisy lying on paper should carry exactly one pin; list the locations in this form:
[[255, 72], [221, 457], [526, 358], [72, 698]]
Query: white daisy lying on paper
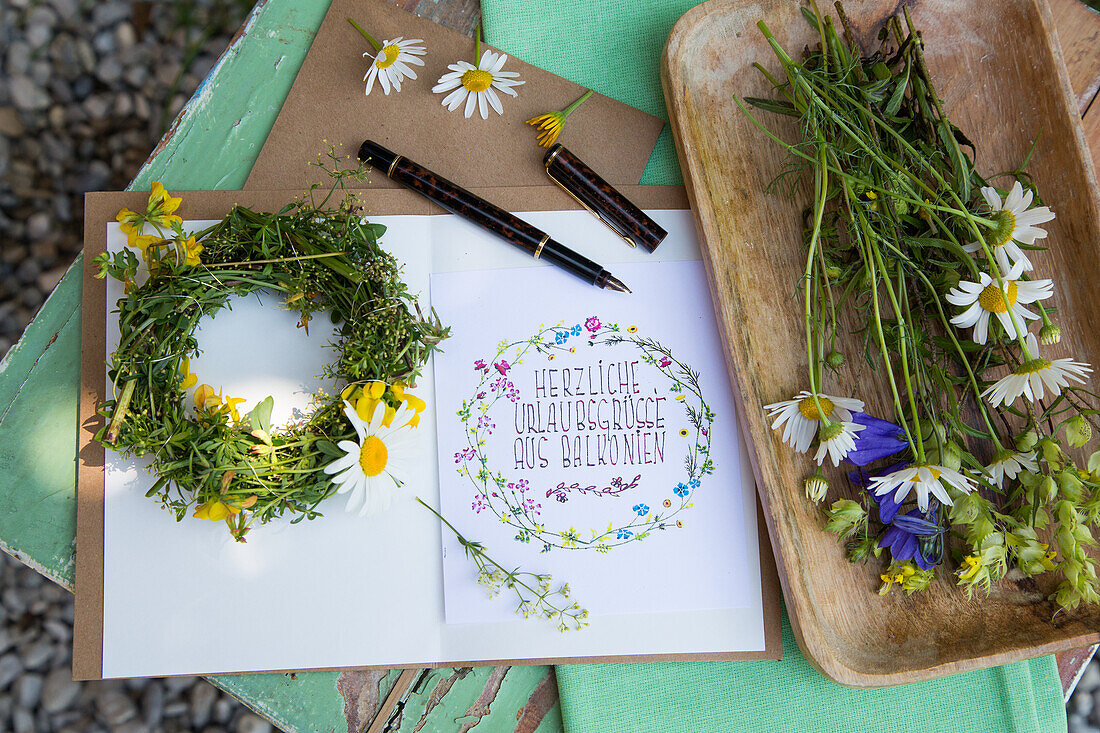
[[391, 64], [477, 85]]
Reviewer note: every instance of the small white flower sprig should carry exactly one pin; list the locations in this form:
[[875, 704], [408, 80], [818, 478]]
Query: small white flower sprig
[[934, 263], [477, 86], [391, 60]]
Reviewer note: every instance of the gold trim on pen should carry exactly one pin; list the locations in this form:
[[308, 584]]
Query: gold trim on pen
[[392, 166], [610, 224], [542, 243], [550, 158]]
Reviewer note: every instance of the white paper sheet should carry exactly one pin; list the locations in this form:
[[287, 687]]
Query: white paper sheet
[[369, 591]]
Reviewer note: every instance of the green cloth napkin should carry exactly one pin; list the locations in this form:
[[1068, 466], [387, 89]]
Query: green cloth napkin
[[614, 47], [611, 46], [792, 696]]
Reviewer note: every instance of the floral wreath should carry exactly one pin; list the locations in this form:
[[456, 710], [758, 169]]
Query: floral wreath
[[514, 502], [239, 468]]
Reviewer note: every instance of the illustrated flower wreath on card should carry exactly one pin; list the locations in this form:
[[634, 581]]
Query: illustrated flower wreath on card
[[515, 501]]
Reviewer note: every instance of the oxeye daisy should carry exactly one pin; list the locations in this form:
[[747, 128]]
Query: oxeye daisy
[[477, 85], [1035, 377], [923, 479], [372, 468], [802, 417], [1008, 464], [836, 440], [1015, 224], [391, 63], [983, 299]]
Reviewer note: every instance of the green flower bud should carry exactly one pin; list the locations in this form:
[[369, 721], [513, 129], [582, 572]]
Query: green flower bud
[[1052, 453], [1069, 485], [1048, 490], [835, 359], [1078, 431], [845, 518], [1050, 334], [952, 456], [1026, 442], [816, 487]]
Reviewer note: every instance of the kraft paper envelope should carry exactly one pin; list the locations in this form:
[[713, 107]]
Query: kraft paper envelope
[[326, 106], [100, 209]]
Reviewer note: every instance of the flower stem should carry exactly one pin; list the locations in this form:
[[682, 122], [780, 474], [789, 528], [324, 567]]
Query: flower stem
[[568, 110], [376, 44]]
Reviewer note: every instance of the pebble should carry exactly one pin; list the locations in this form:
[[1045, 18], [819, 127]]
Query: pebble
[[59, 691], [202, 704], [28, 690], [27, 95], [10, 668], [115, 707], [22, 721], [10, 124], [37, 654], [250, 723]]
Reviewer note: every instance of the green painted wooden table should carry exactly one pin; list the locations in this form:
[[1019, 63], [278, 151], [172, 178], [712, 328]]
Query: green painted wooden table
[[212, 145]]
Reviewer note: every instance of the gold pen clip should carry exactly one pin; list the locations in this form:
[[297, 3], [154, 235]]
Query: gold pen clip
[[610, 223]]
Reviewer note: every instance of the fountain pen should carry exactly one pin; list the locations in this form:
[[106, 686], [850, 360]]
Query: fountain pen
[[509, 227]]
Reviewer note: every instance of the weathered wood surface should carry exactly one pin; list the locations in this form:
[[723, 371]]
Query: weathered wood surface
[[212, 145], [984, 55]]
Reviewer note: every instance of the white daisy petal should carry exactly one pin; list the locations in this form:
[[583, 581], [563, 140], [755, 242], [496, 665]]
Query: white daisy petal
[[471, 103]]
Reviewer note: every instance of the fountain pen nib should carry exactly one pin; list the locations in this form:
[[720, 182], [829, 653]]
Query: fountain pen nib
[[614, 283]]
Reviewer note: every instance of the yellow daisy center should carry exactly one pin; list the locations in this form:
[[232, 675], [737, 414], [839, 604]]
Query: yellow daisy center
[[386, 56], [477, 80], [1002, 233], [936, 473], [994, 300], [808, 407], [373, 455]]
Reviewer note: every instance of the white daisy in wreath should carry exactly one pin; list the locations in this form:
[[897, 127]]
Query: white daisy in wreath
[[836, 440], [1036, 377], [985, 298], [375, 466], [1008, 464], [1016, 223], [924, 480], [477, 85], [802, 416], [392, 62]]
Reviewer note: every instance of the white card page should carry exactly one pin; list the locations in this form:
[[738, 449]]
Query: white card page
[[371, 590]]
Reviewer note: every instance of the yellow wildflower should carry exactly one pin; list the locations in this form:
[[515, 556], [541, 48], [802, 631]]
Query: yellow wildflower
[[162, 206], [187, 379], [205, 397], [215, 511], [190, 250], [550, 124], [231, 404]]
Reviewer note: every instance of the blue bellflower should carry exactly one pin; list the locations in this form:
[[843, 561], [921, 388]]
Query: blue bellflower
[[878, 439], [909, 538]]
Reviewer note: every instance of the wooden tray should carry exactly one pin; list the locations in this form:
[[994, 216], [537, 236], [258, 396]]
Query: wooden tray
[[999, 66]]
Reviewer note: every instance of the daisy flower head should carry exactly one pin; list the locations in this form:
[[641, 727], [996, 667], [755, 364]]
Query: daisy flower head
[[1016, 224], [1008, 464], [1035, 377], [477, 85], [392, 62], [985, 298], [371, 469], [836, 440], [923, 479], [801, 417]]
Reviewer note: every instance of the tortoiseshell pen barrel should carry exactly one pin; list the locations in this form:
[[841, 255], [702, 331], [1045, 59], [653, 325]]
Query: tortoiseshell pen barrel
[[509, 227]]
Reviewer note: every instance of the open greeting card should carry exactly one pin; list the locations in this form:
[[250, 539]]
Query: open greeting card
[[575, 433]]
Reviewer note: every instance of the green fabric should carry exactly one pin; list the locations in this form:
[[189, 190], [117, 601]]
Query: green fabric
[[614, 47], [790, 695], [585, 42]]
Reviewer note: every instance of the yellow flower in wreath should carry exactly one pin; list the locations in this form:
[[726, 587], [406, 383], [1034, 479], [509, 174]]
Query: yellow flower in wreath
[[215, 511], [159, 211], [187, 379]]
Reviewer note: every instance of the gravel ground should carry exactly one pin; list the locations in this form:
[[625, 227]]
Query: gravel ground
[[86, 91]]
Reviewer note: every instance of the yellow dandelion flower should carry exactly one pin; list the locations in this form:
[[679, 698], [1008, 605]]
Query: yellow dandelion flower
[[550, 124]]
